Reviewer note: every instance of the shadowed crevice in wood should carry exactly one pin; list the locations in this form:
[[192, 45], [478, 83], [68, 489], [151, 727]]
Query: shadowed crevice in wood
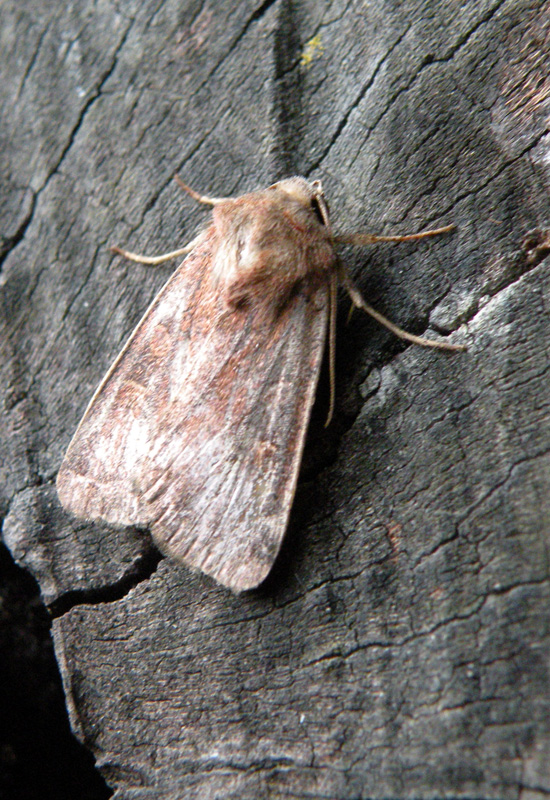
[[287, 90], [142, 569], [9, 242], [41, 758]]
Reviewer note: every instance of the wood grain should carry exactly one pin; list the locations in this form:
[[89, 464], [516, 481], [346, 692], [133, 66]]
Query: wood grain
[[401, 646]]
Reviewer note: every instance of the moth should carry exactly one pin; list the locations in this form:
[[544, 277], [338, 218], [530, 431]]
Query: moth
[[197, 429]]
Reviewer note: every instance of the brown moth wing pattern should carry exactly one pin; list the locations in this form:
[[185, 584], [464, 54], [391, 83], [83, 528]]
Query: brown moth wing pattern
[[180, 438]]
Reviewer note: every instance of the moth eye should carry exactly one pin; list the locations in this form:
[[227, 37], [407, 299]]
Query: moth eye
[[316, 207]]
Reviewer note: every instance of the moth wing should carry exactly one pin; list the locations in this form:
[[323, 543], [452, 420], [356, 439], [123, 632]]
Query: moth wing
[[197, 430]]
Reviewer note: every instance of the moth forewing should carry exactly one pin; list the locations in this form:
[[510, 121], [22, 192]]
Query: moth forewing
[[92, 451], [198, 428]]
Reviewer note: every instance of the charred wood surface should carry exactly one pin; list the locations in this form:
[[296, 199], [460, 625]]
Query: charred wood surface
[[401, 646]]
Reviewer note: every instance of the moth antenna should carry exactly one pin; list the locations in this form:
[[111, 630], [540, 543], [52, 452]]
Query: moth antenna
[[359, 302], [370, 238], [155, 260], [333, 294], [200, 198]]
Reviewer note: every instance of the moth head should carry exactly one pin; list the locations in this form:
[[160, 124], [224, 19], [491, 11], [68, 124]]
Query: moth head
[[309, 195]]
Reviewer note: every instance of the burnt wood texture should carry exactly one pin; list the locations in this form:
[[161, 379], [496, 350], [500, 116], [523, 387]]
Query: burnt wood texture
[[401, 645]]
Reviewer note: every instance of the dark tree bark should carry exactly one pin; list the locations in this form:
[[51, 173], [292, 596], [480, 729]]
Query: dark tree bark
[[401, 645]]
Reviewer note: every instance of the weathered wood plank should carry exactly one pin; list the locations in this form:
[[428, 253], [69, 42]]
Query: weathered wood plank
[[401, 645]]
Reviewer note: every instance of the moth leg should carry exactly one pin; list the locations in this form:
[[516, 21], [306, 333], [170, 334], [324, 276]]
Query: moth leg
[[200, 198], [154, 260], [370, 238], [358, 301]]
